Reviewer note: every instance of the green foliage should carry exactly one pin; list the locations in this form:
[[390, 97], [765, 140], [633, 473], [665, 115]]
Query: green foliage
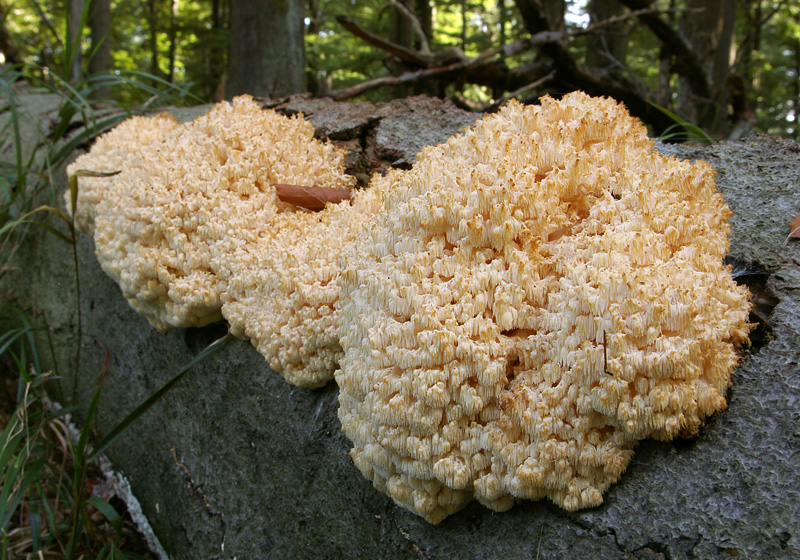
[[144, 33]]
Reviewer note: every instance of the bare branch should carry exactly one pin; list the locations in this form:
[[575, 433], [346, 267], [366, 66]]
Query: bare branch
[[572, 75], [496, 104], [406, 78], [687, 64], [425, 47], [488, 69], [46, 20], [408, 55]]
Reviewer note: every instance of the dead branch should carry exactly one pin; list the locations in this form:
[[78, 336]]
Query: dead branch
[[484, 69], [489, 69], [570, 74], [425, 47], [687, 62], [406, 78], [405, 54]]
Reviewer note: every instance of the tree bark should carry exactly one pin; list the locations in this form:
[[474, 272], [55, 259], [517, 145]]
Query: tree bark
[[607, 47], [708, 26], [267, 52], [152, 22], [173, 38], [100, 33], [74, 33], [7, 48]]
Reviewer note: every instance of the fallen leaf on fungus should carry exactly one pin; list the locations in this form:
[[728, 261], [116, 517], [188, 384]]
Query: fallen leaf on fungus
[[311, 198]]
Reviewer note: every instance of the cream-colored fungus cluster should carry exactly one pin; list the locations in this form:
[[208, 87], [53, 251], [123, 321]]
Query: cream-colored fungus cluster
[[509, 317], [283, 293], [169, 224], [109, 154], [537, 294]]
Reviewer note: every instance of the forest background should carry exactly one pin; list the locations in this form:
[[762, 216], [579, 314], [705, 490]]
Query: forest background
[[728, 66]]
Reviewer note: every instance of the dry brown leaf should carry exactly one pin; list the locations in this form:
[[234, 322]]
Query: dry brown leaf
[[794, 228], [794, 231], [310, 198]]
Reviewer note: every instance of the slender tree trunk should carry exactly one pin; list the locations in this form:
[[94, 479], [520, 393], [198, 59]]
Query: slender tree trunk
[[152, 21], [708, 26], [74, 33], [7, 48], [609, 46], [100, 33], [463, 25], [216, 53], [313, 12], [267, 52], [664, 93], [403, 32], [502, 18], [424, 12], [796, 107], [173, 38]]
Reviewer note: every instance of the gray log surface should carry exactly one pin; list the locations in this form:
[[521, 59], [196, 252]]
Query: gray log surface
[[236, 463]]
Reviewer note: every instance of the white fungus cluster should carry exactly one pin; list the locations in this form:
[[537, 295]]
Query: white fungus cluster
[[283, 292], [536, 295], [110, 154], [508, 317], [169, 223]]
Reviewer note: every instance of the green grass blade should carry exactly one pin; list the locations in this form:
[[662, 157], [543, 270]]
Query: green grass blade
[[35, 522], [120, 428], [9, 446], [108, 512], [8, 338], [11, 500], [182, 90], [79, 449], [11, 96], [696, 132]]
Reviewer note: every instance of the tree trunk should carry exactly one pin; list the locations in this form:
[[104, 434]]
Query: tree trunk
[[267, 52], [502, 18], [216, 56], [173, 38], [708, 26], [100, 33], [424, 12], [554, 9], [74, 33], [402, 32], [608, 47], [7, 49], [152, 22]]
